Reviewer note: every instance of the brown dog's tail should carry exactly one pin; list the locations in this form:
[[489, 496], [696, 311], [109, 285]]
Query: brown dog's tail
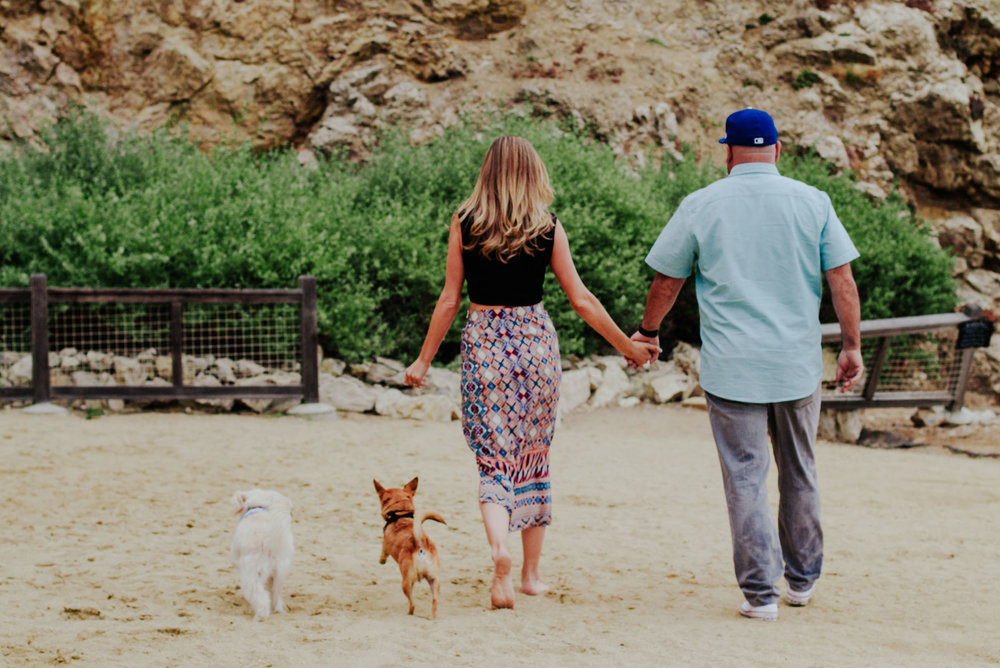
[[419, 519]]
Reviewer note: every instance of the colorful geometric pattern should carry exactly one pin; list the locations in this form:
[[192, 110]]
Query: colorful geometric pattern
[[510, 389]]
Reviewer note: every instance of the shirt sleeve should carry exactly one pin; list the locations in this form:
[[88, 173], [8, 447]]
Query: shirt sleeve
[[835, 245], [675, 250]]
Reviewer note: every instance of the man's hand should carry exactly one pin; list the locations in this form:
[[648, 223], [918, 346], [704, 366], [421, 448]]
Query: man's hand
[[850, 368], [654, 349]]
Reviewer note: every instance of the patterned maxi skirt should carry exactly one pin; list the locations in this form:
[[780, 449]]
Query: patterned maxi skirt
[[510, 389]]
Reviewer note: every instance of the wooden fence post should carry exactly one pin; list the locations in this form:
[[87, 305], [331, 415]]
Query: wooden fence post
[[962, 379], [177, 343], [40, 339], [875, 373], [310, 341]]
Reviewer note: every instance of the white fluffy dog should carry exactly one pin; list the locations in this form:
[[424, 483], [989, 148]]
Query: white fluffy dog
[[262, 548]]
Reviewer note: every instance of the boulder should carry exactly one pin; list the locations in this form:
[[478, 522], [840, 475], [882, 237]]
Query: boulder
[[129, 371], [332, 366], [668, 387], [70, 359], [687, 358], [444, 382], [698, 402], [99, 361], [174, 72], [614, 385], [434, 407], [224, 369], [256, 404], [574, 391], [20, 373], [475, 19], [840, 426], [164, 366], [346, 393], [245, 368], [208, 380], [383, 371], [830, 356]]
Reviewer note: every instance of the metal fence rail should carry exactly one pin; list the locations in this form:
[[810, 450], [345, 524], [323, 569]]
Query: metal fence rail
[[274, 328], [917, 361]]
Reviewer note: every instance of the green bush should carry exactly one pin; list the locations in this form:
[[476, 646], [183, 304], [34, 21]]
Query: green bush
[[901, 270], [92, 209]]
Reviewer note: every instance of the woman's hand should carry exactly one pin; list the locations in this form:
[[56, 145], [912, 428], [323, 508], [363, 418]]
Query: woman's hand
[[640, 353], [415, 373]]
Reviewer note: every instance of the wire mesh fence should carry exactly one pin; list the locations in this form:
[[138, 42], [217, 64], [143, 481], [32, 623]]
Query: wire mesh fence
[[76, 343], [255, 339], [15, 343], [267, 335], [913, 363], [115, 329]]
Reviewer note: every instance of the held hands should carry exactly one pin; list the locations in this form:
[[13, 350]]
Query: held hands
[[850, 368], [644, 349], [415, 373]]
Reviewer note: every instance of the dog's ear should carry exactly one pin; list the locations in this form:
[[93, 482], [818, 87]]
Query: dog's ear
[[411, 486], [378, 488], [239, 502]]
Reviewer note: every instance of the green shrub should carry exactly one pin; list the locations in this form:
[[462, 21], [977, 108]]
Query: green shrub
[[901, 270], [91, 209], [805, 79]]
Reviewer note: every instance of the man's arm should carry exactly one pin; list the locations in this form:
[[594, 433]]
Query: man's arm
[[662, 294], [846, 302]]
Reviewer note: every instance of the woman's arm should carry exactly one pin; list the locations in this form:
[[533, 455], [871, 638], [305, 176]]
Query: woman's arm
[[590, 308], [445, 310]]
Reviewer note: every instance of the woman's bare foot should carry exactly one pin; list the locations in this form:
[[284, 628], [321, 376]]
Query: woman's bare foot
[[533, 587], [502, 590]]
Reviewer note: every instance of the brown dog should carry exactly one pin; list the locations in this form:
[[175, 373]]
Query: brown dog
[[406, 543]]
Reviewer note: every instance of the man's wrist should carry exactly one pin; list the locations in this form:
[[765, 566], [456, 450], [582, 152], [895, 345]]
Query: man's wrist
[[650, 333]]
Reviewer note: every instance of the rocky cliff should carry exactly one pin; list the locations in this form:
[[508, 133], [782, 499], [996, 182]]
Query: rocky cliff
[[901, 92]]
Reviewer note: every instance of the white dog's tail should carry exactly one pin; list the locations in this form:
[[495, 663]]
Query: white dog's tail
[[255, 571], [420, 517]]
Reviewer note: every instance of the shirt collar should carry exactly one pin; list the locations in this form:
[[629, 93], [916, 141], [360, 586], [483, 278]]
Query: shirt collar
[[754, 168]]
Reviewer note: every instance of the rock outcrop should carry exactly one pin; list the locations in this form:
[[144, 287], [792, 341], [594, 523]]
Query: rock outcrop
[[904, 90]]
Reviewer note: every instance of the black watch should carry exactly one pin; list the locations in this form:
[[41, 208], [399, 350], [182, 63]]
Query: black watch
[[651, 333]]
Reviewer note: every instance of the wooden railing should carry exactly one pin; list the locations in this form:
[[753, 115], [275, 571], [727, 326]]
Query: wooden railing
[[949, 362], [40, 297]]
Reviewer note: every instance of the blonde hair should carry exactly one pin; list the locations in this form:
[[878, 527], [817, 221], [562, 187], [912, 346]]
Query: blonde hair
[[509, 205]]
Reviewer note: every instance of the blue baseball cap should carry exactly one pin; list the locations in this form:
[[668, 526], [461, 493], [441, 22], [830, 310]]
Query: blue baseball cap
[[750, 127]]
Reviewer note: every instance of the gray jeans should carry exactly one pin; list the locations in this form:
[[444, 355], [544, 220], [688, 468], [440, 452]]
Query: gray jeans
[[761, 551]]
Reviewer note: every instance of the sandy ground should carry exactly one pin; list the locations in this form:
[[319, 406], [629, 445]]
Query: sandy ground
[[115, 549]]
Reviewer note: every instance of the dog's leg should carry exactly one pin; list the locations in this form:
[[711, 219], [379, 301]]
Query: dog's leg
[[435, 584], [408, 590], [277, 584], [409, 578], [252, 569]]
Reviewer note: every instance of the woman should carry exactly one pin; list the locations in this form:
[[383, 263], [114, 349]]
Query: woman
[[501, 241]]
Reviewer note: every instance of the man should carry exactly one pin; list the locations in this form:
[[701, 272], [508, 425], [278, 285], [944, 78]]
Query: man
[[759, 245]]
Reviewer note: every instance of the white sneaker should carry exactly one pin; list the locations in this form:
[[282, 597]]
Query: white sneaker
[[799, 598], [766, 613]]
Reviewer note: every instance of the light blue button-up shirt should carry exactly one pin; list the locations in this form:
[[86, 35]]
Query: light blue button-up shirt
[[758, 243]]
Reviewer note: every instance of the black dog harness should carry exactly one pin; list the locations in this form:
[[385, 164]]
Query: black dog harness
[[396, 515]]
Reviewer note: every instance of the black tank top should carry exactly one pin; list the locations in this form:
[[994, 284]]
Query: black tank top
[[516, 282]]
